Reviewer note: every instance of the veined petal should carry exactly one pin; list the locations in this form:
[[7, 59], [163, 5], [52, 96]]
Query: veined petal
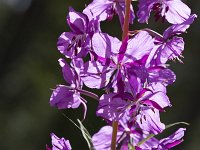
[[173, 140], [134, 82], [149, 120], [64, 42], [105, 45], [77, 21], [68, 74], [161, 99], [138, 47], [95, 75], [63, 98], [98, 9], [157, 94], [102, 139], [171, 50], [162, 75], [178, 11], [60, 143], [177, 29], [111, 108], [77, 65]]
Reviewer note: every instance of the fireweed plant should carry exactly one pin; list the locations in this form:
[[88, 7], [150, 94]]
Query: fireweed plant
[[133, 72]]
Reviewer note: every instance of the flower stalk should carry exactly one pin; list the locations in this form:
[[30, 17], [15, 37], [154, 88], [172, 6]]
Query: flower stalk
[[124, 34], [126, 19]]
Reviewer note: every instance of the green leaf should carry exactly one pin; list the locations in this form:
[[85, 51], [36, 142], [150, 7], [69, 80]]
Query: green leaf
[[84, 132], [86, 135], [176, 123], [71, 121], [144, 140], [130, 147]]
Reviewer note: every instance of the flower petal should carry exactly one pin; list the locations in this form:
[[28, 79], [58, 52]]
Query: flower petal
[[173, 140], [68, 74], [111, 108], [64, 43], [149, 120], [64, 98], [95, 75], [105, 45], [102, 139], [138, 47], [60, 143], [77, 21], [178, 12]]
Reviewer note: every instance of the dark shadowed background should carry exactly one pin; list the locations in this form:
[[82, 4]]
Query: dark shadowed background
[[29, 69]]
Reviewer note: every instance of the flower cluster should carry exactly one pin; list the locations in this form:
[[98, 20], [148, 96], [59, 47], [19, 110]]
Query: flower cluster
[[132, 72]]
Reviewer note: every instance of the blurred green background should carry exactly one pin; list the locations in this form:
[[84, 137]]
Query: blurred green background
[[29, 69]]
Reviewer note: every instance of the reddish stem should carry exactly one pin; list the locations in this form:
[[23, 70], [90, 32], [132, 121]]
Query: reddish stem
[[125, 33], [126, 19]]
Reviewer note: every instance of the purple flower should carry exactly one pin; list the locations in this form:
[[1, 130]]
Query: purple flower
[[112, 107], [59, 143], [149, 120], [164, 144], [69, 96], [140, 73], [147, 106], [170, 46], [161, 74], [97, 74], [77, 43], [144, 107], [133, 72], [174, 11], [114, 57], [62, 97], [102, 139], [172, 140], [106, 9]]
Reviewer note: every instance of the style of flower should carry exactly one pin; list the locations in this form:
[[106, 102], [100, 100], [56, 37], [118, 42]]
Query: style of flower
[[106, 9], [174, 11]]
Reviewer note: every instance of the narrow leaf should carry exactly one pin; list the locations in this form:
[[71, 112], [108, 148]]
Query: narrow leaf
[[144, 140], [176, 123], [83, 130], [86, 135]]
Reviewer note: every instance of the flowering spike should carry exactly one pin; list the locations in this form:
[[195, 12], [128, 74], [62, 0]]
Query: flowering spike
[[133, 73]]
